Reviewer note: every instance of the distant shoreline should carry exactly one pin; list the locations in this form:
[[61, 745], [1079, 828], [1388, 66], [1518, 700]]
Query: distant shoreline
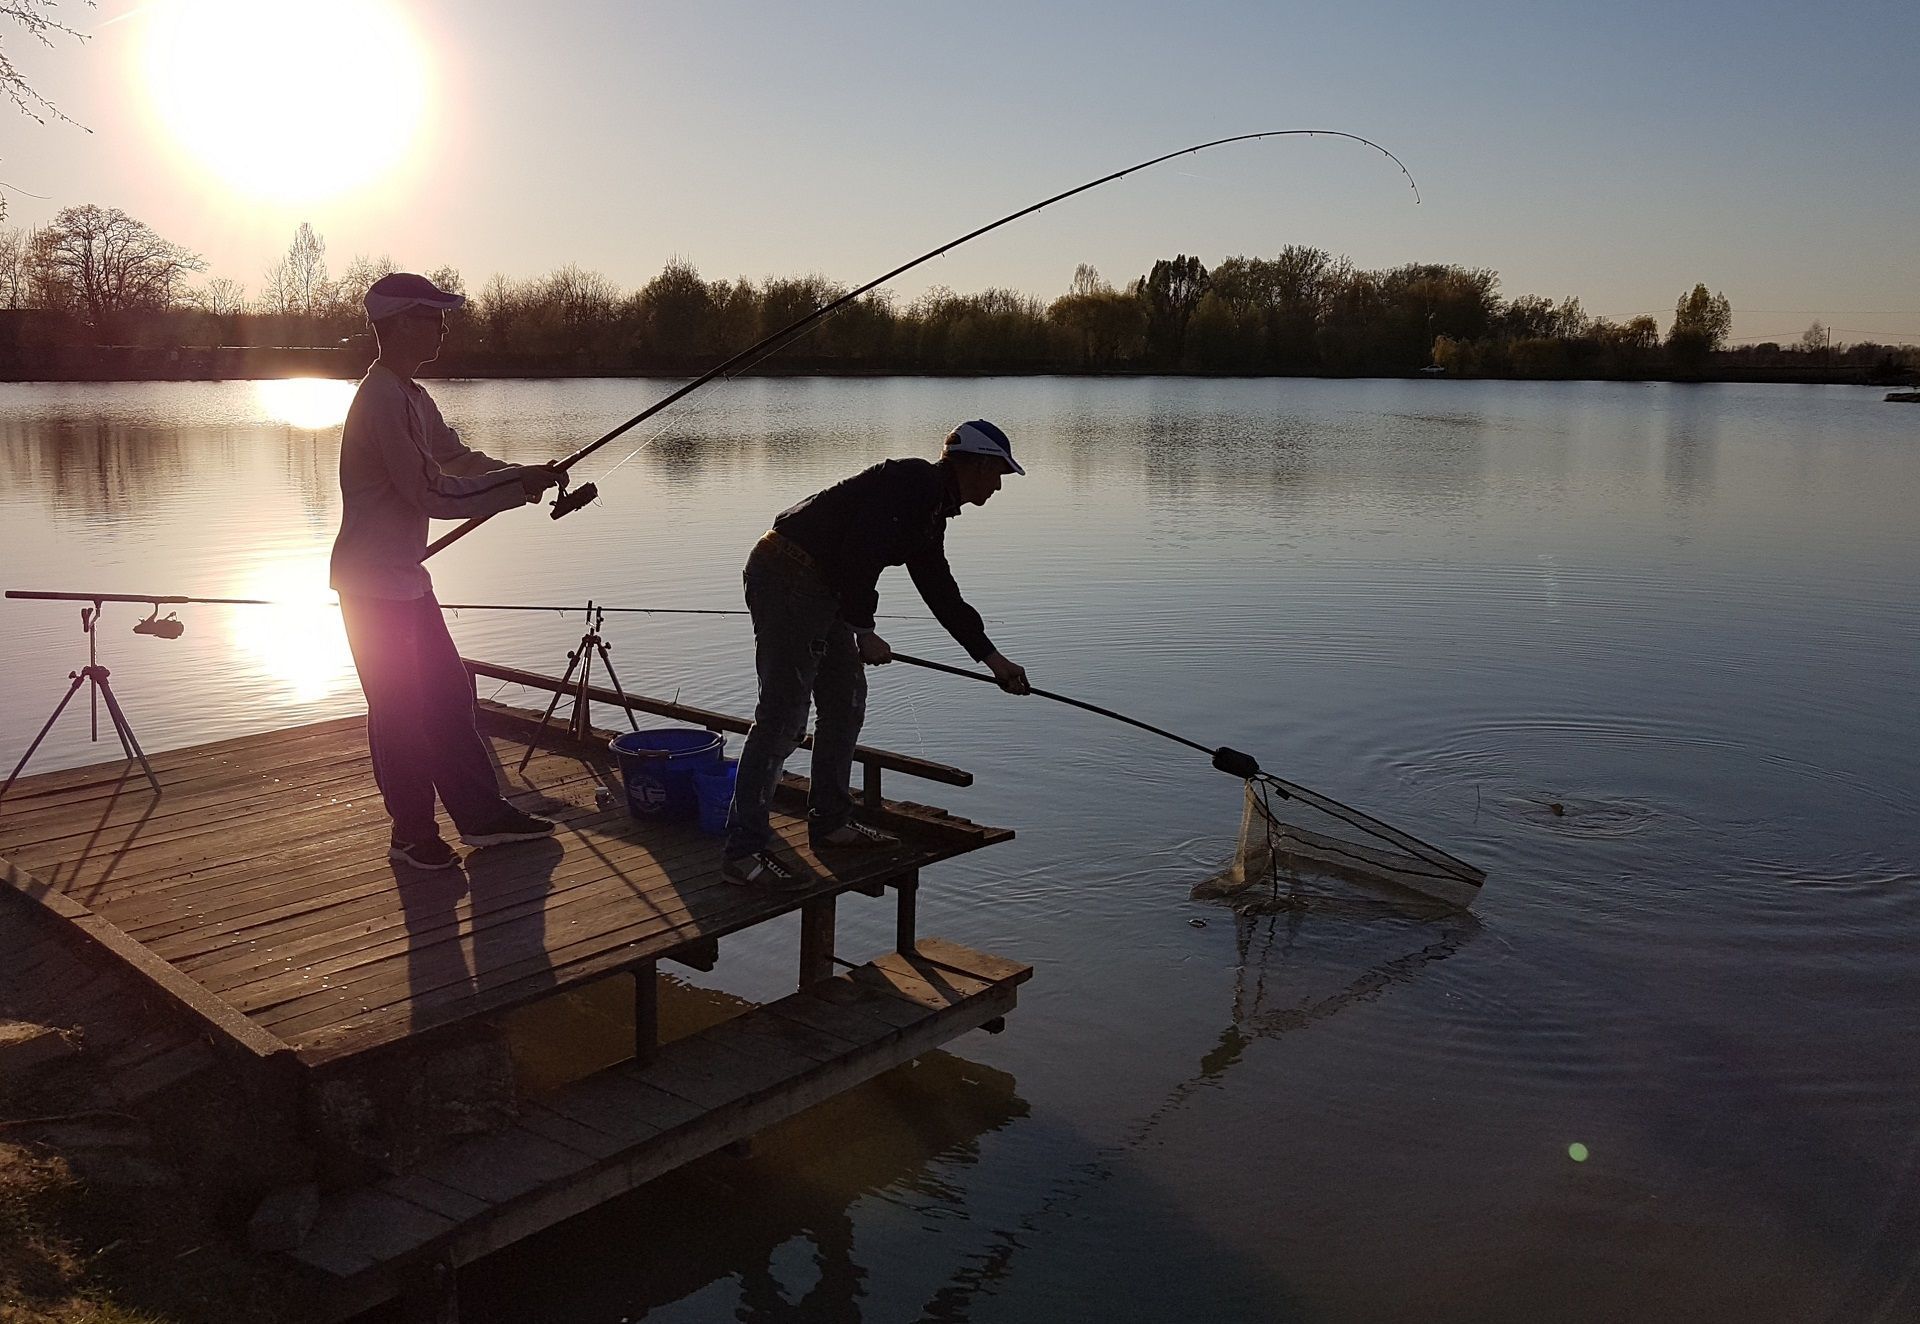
[[66, 364]]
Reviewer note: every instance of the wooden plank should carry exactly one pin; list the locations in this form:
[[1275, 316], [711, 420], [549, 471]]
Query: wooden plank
[[245, 893], [929, 985], [715, 721], [341, 868], [636, 937], [367, 1228], [170, 860], [181, 992], [327, 765], [109, 773], [788, 1037], [595, 1179], [433, 1197], [847, 1022], [563, 1130], [968, 961], [497, 1167], [376, 922], [901, 1013], [598, 844], [621, 1105]]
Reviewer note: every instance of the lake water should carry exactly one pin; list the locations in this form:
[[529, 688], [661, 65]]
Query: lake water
[[1686, 614]]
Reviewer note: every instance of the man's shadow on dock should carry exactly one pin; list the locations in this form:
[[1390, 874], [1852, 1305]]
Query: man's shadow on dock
[[477, 933]]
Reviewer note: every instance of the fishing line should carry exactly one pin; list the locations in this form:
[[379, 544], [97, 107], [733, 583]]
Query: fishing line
[[766, 345], [178, 599]]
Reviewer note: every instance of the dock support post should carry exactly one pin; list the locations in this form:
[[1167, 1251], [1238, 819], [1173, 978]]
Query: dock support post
[[908, 887], [646, 1012], [870, 784], [816, 939]]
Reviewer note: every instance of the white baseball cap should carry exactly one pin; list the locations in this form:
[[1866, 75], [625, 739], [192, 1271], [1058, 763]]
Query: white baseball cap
[[979, 437], [403, 292]]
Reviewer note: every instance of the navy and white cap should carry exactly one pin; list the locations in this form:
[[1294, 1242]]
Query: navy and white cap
[[979, 437], [404, 292]]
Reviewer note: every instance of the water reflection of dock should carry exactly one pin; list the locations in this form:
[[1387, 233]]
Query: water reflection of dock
[[253, 898]]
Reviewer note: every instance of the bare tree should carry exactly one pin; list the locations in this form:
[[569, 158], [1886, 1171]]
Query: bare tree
[[221, 297], [297, 284], [107, 263], [1086, 280], [35, 18], [350, 291], [16, 253]]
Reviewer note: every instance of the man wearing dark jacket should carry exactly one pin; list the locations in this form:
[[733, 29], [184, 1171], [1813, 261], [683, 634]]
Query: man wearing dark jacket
[[812, 586]]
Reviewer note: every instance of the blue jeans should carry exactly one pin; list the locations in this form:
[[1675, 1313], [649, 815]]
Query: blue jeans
[[803, 652]]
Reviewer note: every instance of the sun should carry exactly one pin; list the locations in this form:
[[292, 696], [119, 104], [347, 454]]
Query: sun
[[289, 101]]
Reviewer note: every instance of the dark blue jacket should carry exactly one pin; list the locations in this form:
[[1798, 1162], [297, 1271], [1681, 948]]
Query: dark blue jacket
[[895, 513]]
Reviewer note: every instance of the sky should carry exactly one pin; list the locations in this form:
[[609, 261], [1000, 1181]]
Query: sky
[[1619, 153]]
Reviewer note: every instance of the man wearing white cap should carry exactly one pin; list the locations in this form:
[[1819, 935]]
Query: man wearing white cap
[[400, 464], [812, 586]]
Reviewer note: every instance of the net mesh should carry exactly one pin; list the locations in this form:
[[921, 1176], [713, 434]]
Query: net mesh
[[1293, 836]]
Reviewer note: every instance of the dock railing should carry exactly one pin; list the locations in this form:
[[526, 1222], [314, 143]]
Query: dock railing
[[871, 760]]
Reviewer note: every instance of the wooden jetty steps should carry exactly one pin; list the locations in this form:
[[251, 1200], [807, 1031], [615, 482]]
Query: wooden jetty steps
[[614, 1131], [253, 893]]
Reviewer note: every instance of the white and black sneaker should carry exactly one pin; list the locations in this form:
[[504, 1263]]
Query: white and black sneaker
[[509, 824], [424, 853], [852, 836], [762, 868]]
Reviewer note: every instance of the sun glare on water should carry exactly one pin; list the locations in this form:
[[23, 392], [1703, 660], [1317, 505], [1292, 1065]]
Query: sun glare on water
[[298, 645], [311, 404], [284, 101]]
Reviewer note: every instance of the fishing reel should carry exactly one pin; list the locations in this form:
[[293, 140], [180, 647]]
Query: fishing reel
[[168, 627], [565, 502]]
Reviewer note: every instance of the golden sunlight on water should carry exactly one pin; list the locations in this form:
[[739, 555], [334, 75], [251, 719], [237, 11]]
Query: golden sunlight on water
[[311, 404], [216, 70], [299, 641]]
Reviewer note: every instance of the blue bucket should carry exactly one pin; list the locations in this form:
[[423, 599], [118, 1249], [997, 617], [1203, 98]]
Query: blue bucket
[[658, 768], [714, 789]]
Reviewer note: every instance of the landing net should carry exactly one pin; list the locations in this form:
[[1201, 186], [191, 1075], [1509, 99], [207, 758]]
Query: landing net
[[1289, 834]]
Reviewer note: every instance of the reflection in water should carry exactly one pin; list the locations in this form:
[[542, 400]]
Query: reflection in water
[[773, 1232], [1686, 615], [1255, 1016], [300, 642], [308, 403], [1692, 441]]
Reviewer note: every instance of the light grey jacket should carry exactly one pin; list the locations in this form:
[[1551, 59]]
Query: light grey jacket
[[400, 464]]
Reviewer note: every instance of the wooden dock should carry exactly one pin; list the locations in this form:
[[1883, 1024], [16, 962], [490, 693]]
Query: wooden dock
[[254, 894]]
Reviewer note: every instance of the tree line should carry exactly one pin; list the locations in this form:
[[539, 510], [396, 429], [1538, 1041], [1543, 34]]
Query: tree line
[[97, 276]]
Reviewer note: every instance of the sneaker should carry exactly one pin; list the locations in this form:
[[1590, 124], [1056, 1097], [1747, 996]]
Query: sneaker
[[426, 853], [508, 824], [761, 867], [852, 836]]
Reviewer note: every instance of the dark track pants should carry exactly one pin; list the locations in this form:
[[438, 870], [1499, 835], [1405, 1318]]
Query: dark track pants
[[420, 715], [804, 653]]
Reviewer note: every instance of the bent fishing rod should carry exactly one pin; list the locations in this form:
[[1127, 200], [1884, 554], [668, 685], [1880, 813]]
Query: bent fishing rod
[[1236, 763], [566, 502]]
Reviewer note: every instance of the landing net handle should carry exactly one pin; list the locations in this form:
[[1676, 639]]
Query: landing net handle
[[1236, 763]]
